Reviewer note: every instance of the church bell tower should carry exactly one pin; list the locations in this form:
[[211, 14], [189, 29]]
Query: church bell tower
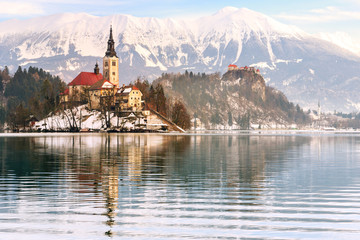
[[111, 62]]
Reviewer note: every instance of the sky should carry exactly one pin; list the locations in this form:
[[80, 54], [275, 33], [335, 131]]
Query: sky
[[312, 16]]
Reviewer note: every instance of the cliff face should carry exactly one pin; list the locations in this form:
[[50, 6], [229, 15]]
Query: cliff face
[[238, 94], [249, 78]]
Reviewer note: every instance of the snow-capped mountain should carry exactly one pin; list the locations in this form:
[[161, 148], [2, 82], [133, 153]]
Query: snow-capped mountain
[[306, 67]]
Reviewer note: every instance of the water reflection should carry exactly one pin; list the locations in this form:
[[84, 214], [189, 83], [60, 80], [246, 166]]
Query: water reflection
[[140, 182]]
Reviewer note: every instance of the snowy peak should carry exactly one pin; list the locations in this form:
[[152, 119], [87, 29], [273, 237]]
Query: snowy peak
[[233, 19], [288, 58], [227, 10]]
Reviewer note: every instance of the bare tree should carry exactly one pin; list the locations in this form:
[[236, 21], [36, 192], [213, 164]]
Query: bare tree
[[107, 103]]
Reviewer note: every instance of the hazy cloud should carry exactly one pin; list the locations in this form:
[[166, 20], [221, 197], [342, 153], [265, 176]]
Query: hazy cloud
[[20, 9], [327, 14]]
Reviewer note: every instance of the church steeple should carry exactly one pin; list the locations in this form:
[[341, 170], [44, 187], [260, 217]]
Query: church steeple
[[110, 52], [111, 62]]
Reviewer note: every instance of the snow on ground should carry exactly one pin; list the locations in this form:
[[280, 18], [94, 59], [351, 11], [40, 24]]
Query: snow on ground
[[83, 118]]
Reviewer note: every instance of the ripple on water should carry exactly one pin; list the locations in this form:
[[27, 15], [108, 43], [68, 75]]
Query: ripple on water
[[177, 187]]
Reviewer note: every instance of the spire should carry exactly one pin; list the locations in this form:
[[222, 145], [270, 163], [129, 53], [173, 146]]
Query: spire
[[96, 69], [110, 52], [111, 36]]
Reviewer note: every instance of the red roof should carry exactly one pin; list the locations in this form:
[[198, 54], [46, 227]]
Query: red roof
[[134, 88], [86, 79], [66, 92], [232, 65]]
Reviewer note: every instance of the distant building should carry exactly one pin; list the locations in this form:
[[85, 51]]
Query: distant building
[[232, 67], [129, 98]]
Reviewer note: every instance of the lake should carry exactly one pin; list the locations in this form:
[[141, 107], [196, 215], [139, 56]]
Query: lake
[[187, 186]]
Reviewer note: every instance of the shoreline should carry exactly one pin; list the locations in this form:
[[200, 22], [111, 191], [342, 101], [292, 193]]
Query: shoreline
[[263, 132]]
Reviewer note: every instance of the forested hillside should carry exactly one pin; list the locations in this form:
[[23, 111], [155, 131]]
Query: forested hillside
[[29, 93], [238, 97]]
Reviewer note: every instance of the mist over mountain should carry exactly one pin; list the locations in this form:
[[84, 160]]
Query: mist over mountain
[[306, 68]]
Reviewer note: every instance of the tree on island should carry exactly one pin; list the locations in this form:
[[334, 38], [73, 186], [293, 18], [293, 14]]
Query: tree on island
[[70, 112], [106, 103], [33, 90]]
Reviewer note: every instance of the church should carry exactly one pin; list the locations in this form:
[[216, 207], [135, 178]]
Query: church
[[103, 90]]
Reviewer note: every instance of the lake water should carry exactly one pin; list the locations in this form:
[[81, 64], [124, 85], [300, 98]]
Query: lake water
[[153, 186]]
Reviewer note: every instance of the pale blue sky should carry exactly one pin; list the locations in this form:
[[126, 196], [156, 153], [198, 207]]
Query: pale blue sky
[[310, 15]]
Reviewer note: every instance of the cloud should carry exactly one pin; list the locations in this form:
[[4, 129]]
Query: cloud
[[343, 40], [327, 14], [355, 2], [20, 9], [81, 2]]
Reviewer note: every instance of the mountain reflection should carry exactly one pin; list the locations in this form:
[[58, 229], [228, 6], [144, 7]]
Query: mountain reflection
[[240, 159], [140, 185], [122, 165]]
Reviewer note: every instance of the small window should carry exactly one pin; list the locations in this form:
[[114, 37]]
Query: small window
[[114, 63], [106, 64], [114, 73]]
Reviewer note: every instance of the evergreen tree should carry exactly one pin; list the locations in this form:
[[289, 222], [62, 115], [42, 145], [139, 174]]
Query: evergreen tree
[[35, 89], [186, 73], [216, 118], [18, 118], [143, 86], [230, 119], [160, 100], [2, 116], [1, 84]]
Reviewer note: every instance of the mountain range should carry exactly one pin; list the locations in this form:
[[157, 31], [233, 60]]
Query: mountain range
[[307, 68]]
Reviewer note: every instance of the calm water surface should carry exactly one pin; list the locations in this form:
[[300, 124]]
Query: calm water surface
[[139, 186]]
